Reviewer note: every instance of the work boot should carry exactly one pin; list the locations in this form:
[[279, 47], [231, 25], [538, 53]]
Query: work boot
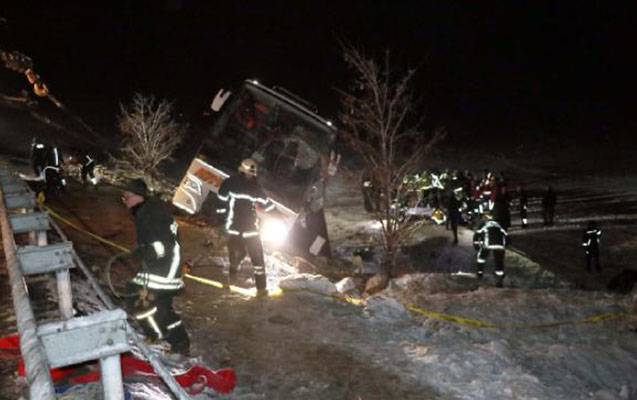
[[260, 282], [181, 347]]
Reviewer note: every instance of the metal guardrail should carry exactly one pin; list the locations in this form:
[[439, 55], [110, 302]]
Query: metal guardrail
[[103, 335], [152, 358], [31, 347]]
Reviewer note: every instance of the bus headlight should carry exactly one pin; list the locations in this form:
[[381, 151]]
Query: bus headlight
[[274, 231]]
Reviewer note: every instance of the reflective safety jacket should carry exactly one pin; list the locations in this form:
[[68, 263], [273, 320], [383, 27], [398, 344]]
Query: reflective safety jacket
[[591, 239], [241, 195], [490, 235], [38, 156], [157, 247], [88, 169]]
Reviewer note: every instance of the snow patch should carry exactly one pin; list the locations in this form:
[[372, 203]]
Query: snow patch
[[431, 283], [346, 285], [385, 309], [312, 283]]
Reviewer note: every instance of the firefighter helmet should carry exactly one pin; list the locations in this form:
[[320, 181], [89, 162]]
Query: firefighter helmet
[[40, 89], [248, 167]]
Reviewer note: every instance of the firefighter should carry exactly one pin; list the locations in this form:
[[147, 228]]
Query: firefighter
[[524, 205], [38, 156], [52, 172], [88, 170], [242, 192], [548, 205], [160, 279], [490, 236], [590, 241]]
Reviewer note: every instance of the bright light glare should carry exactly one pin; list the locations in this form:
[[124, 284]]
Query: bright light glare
[[274, 231]]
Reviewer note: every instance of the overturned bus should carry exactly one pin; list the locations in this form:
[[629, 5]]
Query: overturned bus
[[293, 146]]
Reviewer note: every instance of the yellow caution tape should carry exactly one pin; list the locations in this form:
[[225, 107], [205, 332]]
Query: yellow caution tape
[[74, 226], [236, 289], [482, 324], [359, 302], [450, 318]]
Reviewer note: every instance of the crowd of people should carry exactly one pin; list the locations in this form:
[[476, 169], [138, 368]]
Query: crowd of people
[[483, 203], [458, 198]]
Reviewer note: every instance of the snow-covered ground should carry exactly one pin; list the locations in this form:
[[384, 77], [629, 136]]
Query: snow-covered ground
[[303, 345]]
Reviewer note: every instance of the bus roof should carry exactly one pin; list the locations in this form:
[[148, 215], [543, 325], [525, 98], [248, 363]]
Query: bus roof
[[281, 96]]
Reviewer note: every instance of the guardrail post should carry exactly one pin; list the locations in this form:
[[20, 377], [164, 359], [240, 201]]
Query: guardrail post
[[111, 370], [54, 258], [64, 293], [101, 336], [42, 240]]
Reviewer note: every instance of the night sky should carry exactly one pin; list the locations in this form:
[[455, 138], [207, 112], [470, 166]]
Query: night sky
[[560, 67]]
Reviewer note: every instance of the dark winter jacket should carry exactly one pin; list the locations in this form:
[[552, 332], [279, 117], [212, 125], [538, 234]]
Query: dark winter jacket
[[39, 157], [242, 194], [549, 199], [157, 247], [490, 235], [453, 208], [502, 210], [524, 200], [591, 239]]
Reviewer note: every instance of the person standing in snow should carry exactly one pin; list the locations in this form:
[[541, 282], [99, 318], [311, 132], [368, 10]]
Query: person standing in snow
[[548, 205], [501, 207], [590, 242], [371, 192], [242, 192], [454, 215], [159, 280], [491, 237], [52, 172], [524, 205], [38, 156]]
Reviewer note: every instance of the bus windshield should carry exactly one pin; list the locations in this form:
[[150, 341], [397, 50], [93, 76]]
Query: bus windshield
[[289, 142]]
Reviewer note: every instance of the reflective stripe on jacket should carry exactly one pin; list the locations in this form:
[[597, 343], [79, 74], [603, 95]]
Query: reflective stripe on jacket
[[242, 195], [157, 247]]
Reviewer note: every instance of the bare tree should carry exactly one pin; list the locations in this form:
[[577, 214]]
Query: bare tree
[[380, 126], [151, 135]]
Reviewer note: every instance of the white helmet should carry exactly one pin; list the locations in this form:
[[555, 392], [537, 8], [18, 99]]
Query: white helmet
[[248, 167]]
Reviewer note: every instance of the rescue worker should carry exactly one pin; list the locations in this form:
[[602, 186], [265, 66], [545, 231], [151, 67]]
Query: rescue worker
[[160, 278], [590, 241], [502, 208], [242, 192], [88, 170], [454, 213], [548, 205], [524, 206], [38, 156], [490, 236], [52, 172]]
